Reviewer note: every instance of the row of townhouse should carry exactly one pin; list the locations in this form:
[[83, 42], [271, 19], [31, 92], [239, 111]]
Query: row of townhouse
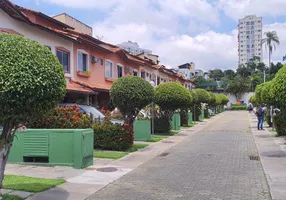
[[90, 65]]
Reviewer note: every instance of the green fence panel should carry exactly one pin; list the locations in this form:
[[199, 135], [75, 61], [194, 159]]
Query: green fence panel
[[142, 130], [190, 115], [52, 147], [202, 115], [176, 122]]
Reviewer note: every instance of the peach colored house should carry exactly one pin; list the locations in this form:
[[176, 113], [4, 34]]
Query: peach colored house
[[90, 65]]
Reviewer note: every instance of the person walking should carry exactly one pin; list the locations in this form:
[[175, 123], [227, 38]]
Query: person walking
[[260, 116], [250, 107]]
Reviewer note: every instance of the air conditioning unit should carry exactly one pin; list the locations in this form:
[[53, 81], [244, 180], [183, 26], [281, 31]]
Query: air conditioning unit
[[95, 59]]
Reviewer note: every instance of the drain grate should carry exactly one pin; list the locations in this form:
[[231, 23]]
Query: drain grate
[[164, 154], [254, 157], [274, 154], [166, 141], [107, 169]]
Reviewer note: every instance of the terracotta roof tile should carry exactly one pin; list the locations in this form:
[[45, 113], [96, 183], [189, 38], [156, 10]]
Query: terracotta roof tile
[[73, 86]]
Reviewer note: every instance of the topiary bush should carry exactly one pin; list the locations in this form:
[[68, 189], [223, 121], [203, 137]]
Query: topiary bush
[[115, 137], [130, 94], [67, 117], [170, 97], [31, 83], [280, 123], [203, 96]]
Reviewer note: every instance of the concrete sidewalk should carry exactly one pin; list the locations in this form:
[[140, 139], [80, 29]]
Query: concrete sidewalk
[[82, 183], [272, 151]]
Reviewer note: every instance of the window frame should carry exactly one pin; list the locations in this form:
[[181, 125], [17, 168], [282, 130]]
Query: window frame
[[112, 70], [134, 70], [122, 68], [87, 60], [69, 58]]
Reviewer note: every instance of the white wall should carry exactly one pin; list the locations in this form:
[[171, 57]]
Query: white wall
[[38, 35], [245, 97]]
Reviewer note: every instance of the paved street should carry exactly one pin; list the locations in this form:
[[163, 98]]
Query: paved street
[[212, 164]]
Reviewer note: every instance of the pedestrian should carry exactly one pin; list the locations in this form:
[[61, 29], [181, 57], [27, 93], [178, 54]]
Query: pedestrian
[[260, 116], [250, 107]]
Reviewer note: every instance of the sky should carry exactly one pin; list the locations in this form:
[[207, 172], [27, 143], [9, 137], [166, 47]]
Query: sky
[[179, 31]]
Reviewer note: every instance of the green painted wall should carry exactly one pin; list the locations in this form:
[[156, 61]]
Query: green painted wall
[[142, 130], [70, 147], [176, 122]]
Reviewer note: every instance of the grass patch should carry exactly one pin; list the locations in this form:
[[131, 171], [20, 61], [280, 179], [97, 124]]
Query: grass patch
[[109, 154], [29, 184], [10, 197], [135, 147], [156, 138]]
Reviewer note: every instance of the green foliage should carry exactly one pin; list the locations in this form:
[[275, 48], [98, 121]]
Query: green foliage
[[31, 79], [109, 136], [212, 101], [253, 100], [238, 107], [171, 96], [268, 117], [68, 117], [203, 95], [195, 97], [221, 100], [280, 123], [278, 88], [238, 86], [130, 94]]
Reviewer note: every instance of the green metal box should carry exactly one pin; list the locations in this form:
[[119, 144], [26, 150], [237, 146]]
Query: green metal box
[[176, 122], [68, 147], [190, 119], [142, 130], [202, 116]]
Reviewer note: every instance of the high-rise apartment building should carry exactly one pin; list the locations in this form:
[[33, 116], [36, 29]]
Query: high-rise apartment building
[[249, 38], [133, 48]]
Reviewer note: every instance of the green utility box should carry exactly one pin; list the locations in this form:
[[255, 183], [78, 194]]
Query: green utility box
[[142, 130], [52, 147], [176, 122], [190, 115], [202, 116]]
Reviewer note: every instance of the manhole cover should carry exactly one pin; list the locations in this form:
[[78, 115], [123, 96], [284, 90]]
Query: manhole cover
[[164, 154], [107, 169], [254, 157], [263, 136], [274, 154], [166, 141], [182, 134]]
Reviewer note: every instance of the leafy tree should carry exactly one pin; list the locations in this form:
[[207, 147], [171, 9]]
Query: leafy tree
[[243, 71], [270, 42], [31, 83], [238, 86], [130, 94], [275, 68], [216, 74], [229, 73]]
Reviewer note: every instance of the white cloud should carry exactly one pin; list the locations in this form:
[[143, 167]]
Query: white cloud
[[239, 8], [88, 4]]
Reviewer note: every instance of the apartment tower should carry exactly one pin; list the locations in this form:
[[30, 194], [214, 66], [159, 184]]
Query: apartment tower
[[249, 38]]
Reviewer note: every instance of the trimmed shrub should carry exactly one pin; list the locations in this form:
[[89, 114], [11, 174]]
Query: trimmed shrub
[[203, 96], [280, 123], [130, 94], [171, 96], [115, 137], [68, 117], [238, 107]]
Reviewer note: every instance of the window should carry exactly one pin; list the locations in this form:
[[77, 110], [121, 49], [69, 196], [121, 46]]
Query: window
[[158, 80], [119, 71], [252, 23], [64, 58], [48, 47], [241, 45], [252, 32], [100, 61], [143, 74], [108, 69], [135, 72], [247, 23], [247, 32], [252, 27], [82, 62]]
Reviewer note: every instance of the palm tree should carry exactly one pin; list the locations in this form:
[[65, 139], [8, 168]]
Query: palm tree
[[270, 42]]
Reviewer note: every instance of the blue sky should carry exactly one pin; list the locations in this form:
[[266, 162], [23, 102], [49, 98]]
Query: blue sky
[[179, 31]]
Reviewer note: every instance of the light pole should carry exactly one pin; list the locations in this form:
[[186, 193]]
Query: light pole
[[152, 115]]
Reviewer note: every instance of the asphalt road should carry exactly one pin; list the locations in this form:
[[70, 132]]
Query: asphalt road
[[212, 164]]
